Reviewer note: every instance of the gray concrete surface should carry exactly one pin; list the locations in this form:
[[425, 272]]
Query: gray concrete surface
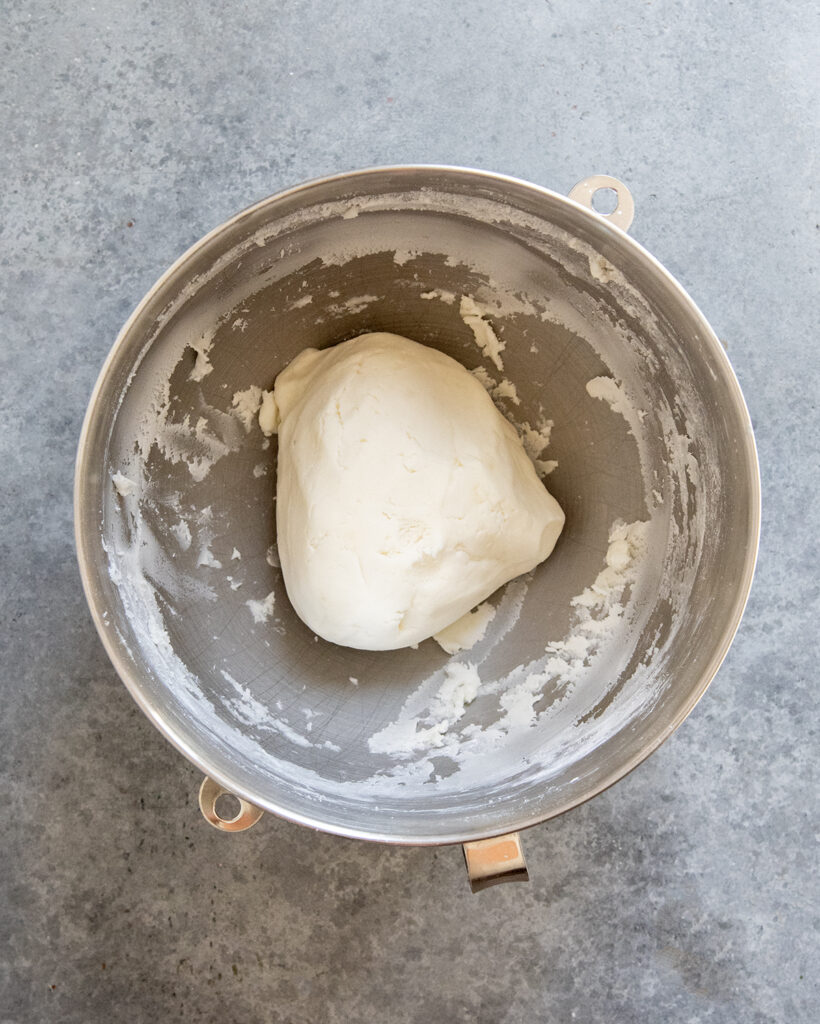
[[688, 892]]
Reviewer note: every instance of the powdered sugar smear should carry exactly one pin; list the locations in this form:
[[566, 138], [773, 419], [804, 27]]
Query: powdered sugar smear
[[136, 559], [355, 304], [262, 610], [205, 537], [429, 719], [182, 532], [410, 734], [612, 393], [615, 393], [254, 713], [198, 441], [599, 610], [477, 319], [536, 438]]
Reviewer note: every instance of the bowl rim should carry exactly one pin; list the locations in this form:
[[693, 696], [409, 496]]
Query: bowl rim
[[85, 536]]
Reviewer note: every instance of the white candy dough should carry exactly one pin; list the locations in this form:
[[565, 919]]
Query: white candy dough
[[404, 498]]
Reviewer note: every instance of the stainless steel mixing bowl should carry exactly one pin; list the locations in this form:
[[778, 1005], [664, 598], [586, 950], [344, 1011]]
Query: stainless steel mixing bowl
[[282, 719]]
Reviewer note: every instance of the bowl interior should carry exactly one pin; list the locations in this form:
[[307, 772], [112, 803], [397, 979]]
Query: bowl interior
[[179, 570]]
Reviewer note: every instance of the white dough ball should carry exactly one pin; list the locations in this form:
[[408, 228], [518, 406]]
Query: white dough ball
[[404, 498]]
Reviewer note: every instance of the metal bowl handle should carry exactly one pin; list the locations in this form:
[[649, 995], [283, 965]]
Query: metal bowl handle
[[490, 861], [625, 210], [210, 792]]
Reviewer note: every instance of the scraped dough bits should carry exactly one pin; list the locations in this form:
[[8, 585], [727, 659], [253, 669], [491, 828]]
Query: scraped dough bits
[[404, 498]]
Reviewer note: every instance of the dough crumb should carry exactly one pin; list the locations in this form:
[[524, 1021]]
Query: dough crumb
[[123, 485], [206, 557], [543, 467], [506, 389], [601, 269], [268, 414], [182, 532], [246, 405], [486, 338], [536, 439], [262, 610], [441, 294], [202, 365]]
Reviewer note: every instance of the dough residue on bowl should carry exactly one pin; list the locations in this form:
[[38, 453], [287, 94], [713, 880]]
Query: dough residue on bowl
[[427, 719]]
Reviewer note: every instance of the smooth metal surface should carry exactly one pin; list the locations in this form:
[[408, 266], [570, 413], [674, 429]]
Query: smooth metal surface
[[245, 818], [370, 270], [624, 212], [491, 861]]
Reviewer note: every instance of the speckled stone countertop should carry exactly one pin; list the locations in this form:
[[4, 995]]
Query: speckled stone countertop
[[686, 893]]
